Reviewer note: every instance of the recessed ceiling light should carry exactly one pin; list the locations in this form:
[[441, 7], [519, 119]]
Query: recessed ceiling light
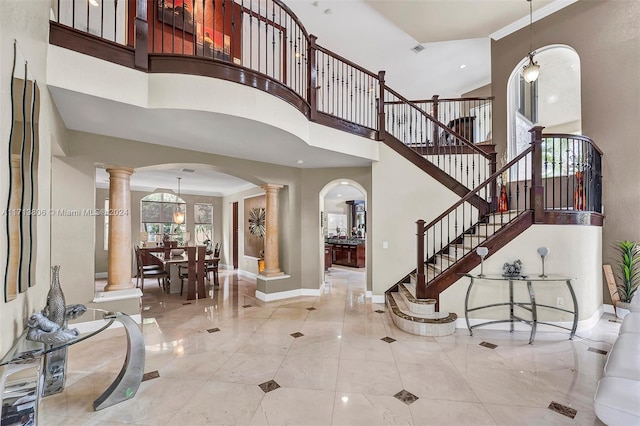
[[94, 3], [344, 182], [463, 66], [339, 195], [300, 161], [328, 11], [345, 398]]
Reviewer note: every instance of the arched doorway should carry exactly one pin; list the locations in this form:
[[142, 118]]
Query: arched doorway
[[343, 228], [552, 101]]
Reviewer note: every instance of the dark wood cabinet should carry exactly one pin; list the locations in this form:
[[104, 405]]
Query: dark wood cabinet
[[348, 255], [328, 256]]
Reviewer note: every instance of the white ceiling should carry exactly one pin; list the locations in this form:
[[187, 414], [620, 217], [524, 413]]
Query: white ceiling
[[379, 35], [344, 192]]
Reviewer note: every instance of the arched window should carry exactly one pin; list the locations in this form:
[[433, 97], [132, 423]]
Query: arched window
[[156, 215], [552, 101]]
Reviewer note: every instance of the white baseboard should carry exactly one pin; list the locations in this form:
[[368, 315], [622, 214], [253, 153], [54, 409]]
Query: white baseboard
[[378, 298], [368, 294], [246, 274], [110, 296], [268, 297], [100, 275]]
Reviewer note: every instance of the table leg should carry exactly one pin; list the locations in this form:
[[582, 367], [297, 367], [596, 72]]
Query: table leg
[[466, 307], [534, 312], [511, 306], [126, 384], [575, 310]]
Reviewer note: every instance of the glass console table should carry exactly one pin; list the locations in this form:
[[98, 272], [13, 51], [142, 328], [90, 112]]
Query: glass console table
[[31, 370], [530, 306]]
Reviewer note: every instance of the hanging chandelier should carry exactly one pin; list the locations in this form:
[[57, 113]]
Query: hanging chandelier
[[531, 70], [178, 214]]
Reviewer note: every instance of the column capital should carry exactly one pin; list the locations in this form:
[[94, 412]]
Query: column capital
[[271, 187], [119, 170]]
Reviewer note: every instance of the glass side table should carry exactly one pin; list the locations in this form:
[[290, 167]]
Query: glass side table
[[530, 306], [31, 370]]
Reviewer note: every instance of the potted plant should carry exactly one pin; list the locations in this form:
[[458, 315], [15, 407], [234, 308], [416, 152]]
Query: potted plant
[[628, 274]]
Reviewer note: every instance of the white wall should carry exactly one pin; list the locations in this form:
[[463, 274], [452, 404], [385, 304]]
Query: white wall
[[402, 194], [574, 251], [27, 23]]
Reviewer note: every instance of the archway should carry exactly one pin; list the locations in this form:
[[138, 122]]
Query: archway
[[343, 228], [552, 101]]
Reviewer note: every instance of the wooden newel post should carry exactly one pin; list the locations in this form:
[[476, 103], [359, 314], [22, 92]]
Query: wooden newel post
[[141, 56], [312, 84], [421, 284], [435, 113], [493, 167], [537, 190], [381, 116]]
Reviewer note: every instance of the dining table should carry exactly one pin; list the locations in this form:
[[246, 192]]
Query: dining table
[[195, 258]]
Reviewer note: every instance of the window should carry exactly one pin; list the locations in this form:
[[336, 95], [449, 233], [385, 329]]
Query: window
[[203, 214], [157, 216]]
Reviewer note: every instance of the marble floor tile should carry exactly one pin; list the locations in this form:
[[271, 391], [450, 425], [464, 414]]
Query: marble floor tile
[[219, 404], [250, 369], [285, 406], [368, 377], [304, 372], [338, 371], [453, 413], [437, 381], [359, 409]]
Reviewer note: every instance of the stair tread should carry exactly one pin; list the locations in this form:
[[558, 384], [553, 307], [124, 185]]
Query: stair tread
[[411, 288], [413, 316]]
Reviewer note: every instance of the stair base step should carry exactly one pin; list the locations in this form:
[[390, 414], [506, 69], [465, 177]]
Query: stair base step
[[417, 306], [443, 325]]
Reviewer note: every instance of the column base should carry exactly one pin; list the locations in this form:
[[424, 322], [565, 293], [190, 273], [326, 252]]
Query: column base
[[114, 287], [271, 273]]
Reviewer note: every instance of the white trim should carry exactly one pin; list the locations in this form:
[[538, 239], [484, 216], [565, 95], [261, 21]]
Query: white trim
[[608, 309], [275, 278], [254, 196], [268, 297], [583, 325], [225, 266], [99, 275], [378, 298], [110, 296], [523, 22], [247, 274], [89, 326], [368, 294]]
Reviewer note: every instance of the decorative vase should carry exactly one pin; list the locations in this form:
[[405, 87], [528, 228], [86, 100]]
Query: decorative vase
[[56, 307], [503, 200]]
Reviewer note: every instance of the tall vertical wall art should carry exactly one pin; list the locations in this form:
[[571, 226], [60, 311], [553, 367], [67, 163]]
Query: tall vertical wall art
[[21, 208]]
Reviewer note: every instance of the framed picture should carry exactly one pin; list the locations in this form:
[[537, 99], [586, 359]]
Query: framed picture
[[176, 13]]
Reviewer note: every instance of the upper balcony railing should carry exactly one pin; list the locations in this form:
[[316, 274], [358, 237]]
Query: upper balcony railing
[[263, 44]]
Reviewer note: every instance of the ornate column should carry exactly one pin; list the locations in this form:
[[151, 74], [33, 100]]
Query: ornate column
[[271, 262], [119, 255]]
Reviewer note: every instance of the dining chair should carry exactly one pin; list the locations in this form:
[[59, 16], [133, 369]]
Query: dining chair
[[212, 265], [194, 273], [149, 271]]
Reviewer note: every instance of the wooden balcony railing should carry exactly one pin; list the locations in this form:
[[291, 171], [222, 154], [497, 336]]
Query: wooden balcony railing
[[557, 180], [263, 44]]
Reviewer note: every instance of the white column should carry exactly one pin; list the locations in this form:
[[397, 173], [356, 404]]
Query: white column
[[271, 261], [119, 255]]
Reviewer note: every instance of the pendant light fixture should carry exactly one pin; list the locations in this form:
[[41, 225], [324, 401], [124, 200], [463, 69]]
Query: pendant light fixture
[[531, 71], [178, 214]]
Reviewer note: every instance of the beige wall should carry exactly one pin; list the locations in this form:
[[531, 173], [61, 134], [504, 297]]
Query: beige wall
[[25, 21], [606, 36], [402, 194], [101, 263], [480, 92]]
